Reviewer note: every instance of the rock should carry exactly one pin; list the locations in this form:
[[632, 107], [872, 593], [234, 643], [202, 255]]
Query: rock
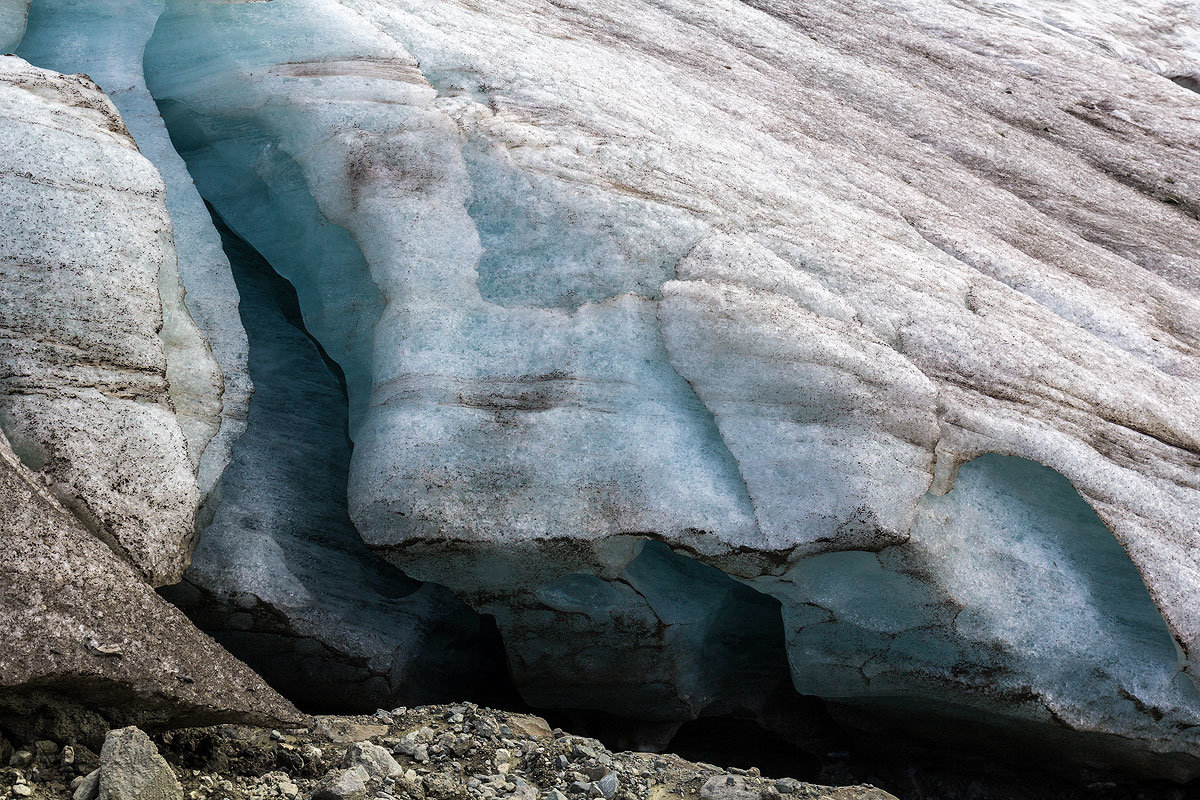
[[377, 761], [642, 776], [522, 790], [608, 785], [88, 787], [52, 683], [729, 787], [343, 784], [22, 790], [45, 751], [132, 769], [20, 759], [337, 729], [529, 726]]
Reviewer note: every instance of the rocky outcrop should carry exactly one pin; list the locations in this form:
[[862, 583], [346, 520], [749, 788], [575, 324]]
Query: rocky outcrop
[[84, 395], [87, 645]]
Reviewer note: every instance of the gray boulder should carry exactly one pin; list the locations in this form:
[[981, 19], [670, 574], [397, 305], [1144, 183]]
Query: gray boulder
[[377, 761], [88, 786], [132, 769], [85, 644], [342, 784]]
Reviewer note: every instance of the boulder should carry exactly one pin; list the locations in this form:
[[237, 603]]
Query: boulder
[[342, 784], [132, 769], [86, 645]]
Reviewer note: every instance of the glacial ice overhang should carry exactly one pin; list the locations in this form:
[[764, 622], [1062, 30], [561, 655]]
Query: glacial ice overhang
[[755, 282]]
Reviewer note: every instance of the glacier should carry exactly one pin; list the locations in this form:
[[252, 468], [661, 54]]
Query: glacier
[[280, 576], [85, 397], [205, 344], [673, 329]]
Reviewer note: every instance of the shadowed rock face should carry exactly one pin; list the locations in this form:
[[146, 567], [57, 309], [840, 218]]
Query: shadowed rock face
[[88, 646]]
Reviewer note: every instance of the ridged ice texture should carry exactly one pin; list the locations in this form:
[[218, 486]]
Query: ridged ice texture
[[280, 576], [206, 358], [751, 279], [84, 396]]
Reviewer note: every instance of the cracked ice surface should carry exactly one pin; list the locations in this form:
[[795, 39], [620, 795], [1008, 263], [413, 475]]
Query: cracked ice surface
[[754, 280]]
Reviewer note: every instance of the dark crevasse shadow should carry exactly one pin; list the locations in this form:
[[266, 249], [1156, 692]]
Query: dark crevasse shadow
[[280, 575]]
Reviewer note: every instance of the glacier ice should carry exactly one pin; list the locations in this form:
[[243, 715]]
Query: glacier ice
[[1012, 589], [758, 316], [846, 302], [280, 576], [205, 345], [12, 23], [84, 395]]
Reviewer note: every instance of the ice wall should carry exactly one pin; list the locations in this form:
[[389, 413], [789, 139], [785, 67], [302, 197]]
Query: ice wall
[[1011, 588], [685, 272], [752, 282], [12, 23], [84, 392], [280, 575], [206, 346]]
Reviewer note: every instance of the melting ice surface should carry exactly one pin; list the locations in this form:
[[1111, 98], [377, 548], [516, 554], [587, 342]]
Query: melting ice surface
[[493, 315], [280, 575], [1037, 610], [500, 328]]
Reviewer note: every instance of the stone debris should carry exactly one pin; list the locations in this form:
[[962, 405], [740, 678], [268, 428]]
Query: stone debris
[[456, 752]]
